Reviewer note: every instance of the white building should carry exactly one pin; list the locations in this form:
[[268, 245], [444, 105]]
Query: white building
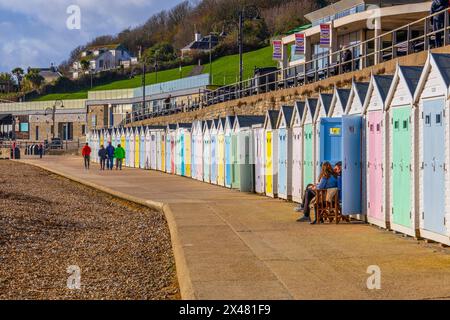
[[103, 58]]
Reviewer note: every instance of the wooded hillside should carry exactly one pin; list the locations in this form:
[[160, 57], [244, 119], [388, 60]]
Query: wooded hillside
[[177, 25]]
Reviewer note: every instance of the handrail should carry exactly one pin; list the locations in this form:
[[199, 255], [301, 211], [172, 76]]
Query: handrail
[[310, 71]]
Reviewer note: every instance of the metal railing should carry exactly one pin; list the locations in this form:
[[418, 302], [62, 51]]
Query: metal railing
[[413, 37]]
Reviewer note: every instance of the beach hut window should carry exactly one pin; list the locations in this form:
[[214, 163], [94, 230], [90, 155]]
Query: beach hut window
[[396, 125], [439, 119], [428, 120], [405, 124], [378, 128]]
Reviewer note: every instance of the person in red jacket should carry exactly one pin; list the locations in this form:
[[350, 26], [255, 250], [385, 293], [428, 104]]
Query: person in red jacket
[[86, 153]]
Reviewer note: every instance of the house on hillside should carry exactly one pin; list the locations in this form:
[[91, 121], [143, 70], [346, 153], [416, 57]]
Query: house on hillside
[[200, 45], [50, 75], [102, 58]]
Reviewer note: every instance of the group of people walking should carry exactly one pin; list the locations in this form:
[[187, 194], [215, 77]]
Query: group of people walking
[[106, 155]]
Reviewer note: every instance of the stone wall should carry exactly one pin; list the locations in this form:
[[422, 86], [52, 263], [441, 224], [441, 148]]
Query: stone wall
[[259, 104], [100, 113]]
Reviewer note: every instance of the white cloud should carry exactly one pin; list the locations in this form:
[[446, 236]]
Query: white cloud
[[34, 32]]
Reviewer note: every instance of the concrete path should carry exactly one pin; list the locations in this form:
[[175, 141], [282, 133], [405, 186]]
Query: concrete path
[[232, 245]]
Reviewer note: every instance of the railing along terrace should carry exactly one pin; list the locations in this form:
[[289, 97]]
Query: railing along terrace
[[411, 38], [414, 37]]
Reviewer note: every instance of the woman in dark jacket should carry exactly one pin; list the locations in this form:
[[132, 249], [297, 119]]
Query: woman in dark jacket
[[327, 180], [103, 155], [438, 20]]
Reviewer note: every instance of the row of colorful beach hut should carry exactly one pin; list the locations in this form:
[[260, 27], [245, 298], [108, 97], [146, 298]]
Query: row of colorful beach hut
[[391, 135]]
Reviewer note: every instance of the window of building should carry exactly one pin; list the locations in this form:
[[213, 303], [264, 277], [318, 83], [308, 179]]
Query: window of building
[[296, 57], [356, 9], [24, 126], [65, 130], [321, 54], [37, 133]]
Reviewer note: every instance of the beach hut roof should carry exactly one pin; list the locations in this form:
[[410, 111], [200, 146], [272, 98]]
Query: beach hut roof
[[443, 65], [343, 95], [185, 125], [158, 127], [249, 121], [440, 63], [286, 112], [312, 105], [361, 89], [325, 101], [172, 126], [271, 118], [230, 118], [383, 84], [299, 108], [411, 76]]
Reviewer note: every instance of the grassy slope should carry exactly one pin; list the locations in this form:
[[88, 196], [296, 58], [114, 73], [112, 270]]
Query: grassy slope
[[163, 76], [225, 71]]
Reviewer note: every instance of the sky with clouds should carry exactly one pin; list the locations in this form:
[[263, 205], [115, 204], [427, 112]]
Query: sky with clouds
[[34, 32]]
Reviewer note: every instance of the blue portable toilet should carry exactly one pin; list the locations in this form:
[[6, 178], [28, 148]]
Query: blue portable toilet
[[432, 153], [285, 152], [341, 141], [229, 122], [322, 111]]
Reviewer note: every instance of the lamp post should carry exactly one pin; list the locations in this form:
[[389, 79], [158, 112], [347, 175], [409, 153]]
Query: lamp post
[[250, 12], [57, 104], [210, 59], [144, 70], [91, 72]]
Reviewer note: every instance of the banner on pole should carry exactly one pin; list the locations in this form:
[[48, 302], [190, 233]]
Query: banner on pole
[[299, 43], [277, 50], [325, 35]]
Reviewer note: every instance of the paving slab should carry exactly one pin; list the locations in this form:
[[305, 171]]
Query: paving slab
[[233, 245]]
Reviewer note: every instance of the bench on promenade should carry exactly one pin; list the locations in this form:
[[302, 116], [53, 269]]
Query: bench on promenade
[[328, 207]]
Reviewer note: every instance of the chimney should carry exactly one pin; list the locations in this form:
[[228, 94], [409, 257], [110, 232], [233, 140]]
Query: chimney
[[198, 36]]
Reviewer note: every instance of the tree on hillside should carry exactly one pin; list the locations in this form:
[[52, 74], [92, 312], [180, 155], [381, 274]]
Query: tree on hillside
[[161, 52], [177, 25], [34, 78], [85, 65], [7, 80]]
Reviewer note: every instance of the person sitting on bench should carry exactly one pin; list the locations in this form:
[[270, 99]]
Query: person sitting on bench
[[327, 180], [338, 175]]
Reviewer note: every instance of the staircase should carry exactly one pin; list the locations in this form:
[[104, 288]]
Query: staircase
[[196, 71]]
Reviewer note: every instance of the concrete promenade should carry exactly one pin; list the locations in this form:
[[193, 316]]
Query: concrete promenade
[[232, 245]]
